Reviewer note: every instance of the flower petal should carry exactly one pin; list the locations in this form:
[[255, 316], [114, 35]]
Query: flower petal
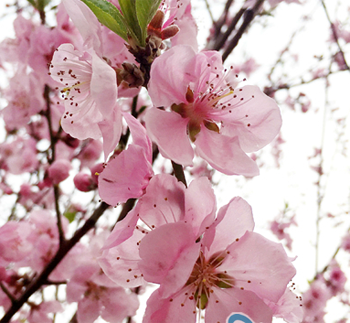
[[169, 310], [224, 154], [169, 131], [224, 302], [103, 86], [170, 76], [168, 255], [233, 220], [256, 120], [259, 265]]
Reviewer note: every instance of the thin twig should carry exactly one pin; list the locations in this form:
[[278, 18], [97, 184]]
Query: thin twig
[[7, 292], [335, 35], [319, 188], [51, 159], [209, 11]]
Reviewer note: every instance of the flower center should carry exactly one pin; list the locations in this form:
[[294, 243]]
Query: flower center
[[205, 275]]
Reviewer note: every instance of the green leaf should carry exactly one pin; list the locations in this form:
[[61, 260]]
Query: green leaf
[[145, 10], [42, 4], [70, 215], [110, 16], [129, 11], [32, 3], [39, 4]]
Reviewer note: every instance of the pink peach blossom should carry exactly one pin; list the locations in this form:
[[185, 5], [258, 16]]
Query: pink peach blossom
[[232, 269], [203, 107]]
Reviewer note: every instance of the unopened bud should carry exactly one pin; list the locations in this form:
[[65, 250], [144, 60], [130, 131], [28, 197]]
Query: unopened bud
[[59, 170], [84, 182]]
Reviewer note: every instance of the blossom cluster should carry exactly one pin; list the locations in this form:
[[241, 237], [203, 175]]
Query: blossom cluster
[[149, 92]]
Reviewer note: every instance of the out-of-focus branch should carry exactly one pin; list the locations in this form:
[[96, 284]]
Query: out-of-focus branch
[[222, 38], [209, 11], [249, 15], [219, 24], [51, 159], [8, 294], [74, 319], [335, 34], [61, 253], [270, 90], [320, 174]]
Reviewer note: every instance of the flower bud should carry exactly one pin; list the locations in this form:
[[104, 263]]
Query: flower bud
[[59, 170], [84, 182]]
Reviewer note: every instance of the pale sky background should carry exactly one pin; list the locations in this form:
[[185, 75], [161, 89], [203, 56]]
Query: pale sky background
[[293, 182]]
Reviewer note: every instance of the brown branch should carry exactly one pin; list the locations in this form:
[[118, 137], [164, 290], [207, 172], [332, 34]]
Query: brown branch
[[248, 18], [221, 22], [221, 39]]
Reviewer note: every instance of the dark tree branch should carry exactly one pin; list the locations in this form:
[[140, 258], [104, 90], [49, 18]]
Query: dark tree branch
[[248, 18], [221, 39], [221, 22]]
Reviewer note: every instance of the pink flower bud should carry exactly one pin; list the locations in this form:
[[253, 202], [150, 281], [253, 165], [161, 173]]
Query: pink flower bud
[[46, 182], [25, 190], [59, 170], [84, 182]]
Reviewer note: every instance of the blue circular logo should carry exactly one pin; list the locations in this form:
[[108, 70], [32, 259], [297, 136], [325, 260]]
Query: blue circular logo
[[239, 317]]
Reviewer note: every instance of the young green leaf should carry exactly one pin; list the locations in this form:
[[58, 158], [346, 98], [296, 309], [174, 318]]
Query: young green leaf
[[109, 15], [129, 12], [145, 10]]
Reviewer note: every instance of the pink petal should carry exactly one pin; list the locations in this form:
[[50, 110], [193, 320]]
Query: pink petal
[[88, 310], [76, 287], [288, 308], [233, 220], [139, 135], [200, 205], [169, 131], [85, 21], [259, 265], [256, 121], [117, 305], [125, 176], [224, 154], [103, 87], [120, 263], [168, 255], [169, 85], [123, 230], [171, 310], [111, 129], [80, 125], [163, 202], [223, 302]]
